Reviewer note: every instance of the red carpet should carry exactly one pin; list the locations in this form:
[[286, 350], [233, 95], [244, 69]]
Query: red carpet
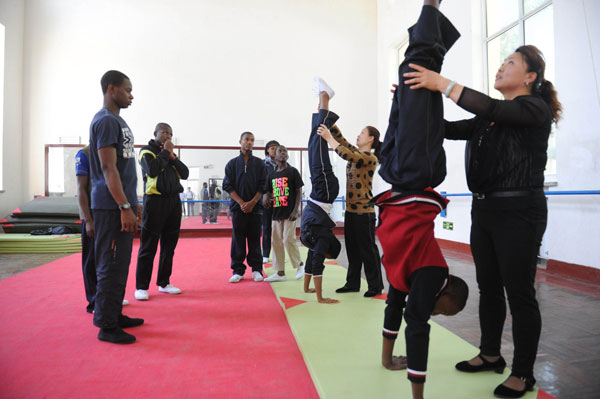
[[195, 222], [216, 340]]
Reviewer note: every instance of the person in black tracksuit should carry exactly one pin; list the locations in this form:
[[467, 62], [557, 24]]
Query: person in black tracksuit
[[413, 162], [245, 177], [161, 219], [316, 231]]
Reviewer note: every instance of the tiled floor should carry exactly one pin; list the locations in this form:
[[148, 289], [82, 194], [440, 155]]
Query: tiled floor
[[569, 350]]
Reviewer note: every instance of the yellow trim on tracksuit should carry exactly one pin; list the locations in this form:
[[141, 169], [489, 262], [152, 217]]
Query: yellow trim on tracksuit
[[151, 182]]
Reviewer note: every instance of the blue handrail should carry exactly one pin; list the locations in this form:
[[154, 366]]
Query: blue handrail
[[573, 192], [566, 192]]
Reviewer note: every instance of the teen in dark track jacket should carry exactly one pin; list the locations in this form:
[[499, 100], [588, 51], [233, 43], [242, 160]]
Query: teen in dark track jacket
[[162, 211], [245, 177]]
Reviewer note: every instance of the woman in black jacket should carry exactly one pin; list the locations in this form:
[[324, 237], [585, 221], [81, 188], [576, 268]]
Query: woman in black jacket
[[505, 160]]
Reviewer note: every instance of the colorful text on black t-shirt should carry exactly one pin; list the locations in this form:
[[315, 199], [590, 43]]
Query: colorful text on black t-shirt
[[281, 191]]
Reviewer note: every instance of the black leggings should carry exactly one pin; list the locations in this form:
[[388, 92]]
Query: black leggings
[[505, 244]]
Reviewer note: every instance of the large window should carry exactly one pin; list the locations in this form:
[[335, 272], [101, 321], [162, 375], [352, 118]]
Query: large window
[[510, 24]]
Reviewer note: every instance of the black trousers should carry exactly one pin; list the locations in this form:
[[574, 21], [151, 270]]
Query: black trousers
[[425, 284], [325, 186], [412, 156], [161, 220], [505, 238], [246, 228], [267, 220], [205, 212], [361, 249], [112, 250], [88, 265], [214, 211]]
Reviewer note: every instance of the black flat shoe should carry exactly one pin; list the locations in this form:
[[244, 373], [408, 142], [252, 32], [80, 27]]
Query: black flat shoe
[[371, 294], [127, 322], [497, 366], [502, 391], [115, 336], [346, 289]]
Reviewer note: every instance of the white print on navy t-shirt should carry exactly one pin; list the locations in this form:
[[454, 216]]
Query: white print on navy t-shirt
[[128, 149]]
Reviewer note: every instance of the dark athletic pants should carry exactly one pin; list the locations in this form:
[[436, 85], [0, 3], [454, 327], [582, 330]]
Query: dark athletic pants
[[361, 249], [205, 212], [314, 264], [412, 156], [112, 249], [246, 228], [325, 186], [267, 220], [425, 284], [161, 220], [88, 265], [505, 244]]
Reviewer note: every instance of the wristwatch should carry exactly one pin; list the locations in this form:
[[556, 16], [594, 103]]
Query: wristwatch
[[125, 206]]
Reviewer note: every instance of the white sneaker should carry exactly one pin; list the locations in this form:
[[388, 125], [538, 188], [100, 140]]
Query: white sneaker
[[169, 289], [300, 272], [141, 295], [257, 276], [275, 277], [125, 302], [321, 85], [236, 278], [265, 259]]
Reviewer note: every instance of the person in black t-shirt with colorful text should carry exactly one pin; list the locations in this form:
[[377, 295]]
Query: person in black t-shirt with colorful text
[[284, 192]]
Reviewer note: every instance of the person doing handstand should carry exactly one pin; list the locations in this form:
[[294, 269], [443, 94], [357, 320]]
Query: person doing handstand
[[413, 162], [316, 230]]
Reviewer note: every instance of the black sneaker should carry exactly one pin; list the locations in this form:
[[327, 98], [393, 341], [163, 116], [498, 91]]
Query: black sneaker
[[346, 289], [126, 322], [115, 336], [371, 294]]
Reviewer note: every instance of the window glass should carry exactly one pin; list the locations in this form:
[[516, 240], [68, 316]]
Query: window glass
[[500, 14], [537, 32], [530, 5], [498, 49]]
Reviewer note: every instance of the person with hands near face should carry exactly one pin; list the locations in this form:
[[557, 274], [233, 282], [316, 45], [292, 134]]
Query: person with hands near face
[[284, 192], [505, 160], [162, 171], [114, 206], [245, 177]]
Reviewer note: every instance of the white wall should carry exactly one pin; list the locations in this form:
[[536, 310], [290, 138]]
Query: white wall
[[212, 69], [12, 17], [573, 231]]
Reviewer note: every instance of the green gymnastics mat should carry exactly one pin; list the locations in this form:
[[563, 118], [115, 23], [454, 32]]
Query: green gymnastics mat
[[28, 244], [341, 345]]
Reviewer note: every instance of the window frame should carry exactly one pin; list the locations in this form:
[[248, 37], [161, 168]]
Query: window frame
[[550, 179]]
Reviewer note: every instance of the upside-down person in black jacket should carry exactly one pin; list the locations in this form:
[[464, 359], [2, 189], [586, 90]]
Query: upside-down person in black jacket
[[413, 162], [505, 160], [161, 218]]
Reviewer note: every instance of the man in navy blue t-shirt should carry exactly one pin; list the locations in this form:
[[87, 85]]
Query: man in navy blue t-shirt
[[114, 207]]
